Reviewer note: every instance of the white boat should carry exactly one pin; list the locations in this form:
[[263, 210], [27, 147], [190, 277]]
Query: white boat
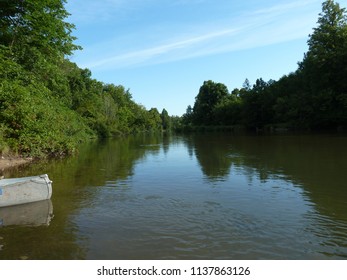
[[25, 190]]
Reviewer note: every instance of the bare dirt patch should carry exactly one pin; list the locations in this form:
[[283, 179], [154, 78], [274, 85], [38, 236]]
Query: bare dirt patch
[[8, 162]]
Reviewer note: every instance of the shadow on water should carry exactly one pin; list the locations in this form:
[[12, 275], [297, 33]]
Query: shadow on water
[[96, 163], [315, 163], [211, 154]]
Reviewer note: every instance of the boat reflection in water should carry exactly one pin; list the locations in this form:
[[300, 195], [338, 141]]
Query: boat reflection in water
[[30, 214]]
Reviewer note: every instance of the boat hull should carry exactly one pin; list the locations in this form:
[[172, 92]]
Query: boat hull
[[25, 190]]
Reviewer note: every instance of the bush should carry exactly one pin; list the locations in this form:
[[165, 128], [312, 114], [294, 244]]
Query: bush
[[35, 124]]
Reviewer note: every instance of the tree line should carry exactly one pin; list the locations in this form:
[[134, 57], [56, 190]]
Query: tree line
[[312, 97], [47, 103]]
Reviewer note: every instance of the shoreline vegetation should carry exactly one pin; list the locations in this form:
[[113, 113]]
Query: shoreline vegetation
[[312, 98], [48, 105]]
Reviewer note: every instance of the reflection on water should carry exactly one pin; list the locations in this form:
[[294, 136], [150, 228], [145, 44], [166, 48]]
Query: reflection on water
[[207, 196], [29, 214]]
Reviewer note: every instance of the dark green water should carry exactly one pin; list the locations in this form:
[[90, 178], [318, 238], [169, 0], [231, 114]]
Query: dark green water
[[206, 196]]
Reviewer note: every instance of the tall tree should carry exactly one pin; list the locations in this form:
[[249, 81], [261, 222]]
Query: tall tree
[[324, 66], [329, 38], [154, 121], [30, 28], [165, 119], [327, 52], [210, 94]]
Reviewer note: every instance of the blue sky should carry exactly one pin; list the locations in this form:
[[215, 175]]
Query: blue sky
[[163, 50]]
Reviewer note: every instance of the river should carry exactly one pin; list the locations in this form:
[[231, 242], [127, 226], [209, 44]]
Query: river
[[197, 196]]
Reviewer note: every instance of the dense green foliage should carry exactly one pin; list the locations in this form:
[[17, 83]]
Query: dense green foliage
[[313, 97], [47, 103]]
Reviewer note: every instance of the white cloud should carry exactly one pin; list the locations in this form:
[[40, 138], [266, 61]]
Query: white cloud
[[257, 28], [140, 56]]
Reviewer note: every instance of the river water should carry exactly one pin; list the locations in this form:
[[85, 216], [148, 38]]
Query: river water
[[198, 196]]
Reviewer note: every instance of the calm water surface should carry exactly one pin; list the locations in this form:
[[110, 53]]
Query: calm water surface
[[201, 196]]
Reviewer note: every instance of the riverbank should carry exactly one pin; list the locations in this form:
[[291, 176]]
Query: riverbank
[[8, 162]]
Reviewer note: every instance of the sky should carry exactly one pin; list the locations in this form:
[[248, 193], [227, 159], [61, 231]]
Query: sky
[[163, 50]]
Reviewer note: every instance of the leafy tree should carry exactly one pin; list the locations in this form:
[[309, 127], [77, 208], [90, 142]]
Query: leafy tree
[[27, 117], [228, 111], [314, 96], [324, 66], [154, 121], [39, 86], [329, 38], [31, 27], [177, 123], [165, 119], [38, 38], [187, 117], [210, 94], [328, 46]]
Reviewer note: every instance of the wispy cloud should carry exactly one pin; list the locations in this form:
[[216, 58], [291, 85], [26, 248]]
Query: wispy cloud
[[140, 56], [253, 29]]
